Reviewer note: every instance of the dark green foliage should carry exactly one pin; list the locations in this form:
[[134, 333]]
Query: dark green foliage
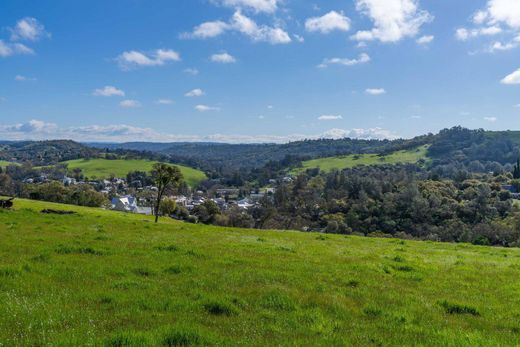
[[219, 308], [452, 308]]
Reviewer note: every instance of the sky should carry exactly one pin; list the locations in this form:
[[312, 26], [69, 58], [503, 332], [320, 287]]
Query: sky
[[245, 71]]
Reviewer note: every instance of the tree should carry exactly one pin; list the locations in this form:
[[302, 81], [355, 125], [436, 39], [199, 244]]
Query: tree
[[165, 178], [516, 170]]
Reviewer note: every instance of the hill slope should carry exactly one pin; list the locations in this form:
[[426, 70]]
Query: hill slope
[[101, 277], [103, 168], [349, 161]]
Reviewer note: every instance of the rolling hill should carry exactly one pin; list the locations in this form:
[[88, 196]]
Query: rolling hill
[[99, 277], [103, 168], [348, 161]]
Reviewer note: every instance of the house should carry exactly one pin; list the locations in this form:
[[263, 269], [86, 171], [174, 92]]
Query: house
[[68, 181], [128, 203], [245, 204]]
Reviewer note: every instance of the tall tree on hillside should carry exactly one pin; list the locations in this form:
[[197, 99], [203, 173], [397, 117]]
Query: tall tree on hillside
[[516, 170], [165, 177]]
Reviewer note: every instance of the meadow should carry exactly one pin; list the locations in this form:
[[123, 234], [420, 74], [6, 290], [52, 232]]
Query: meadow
[[349, 161], [103, 278], [103, 168], [4, 163]]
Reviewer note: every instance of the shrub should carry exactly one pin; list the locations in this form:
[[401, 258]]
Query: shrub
[[219, 308], [452, 308]]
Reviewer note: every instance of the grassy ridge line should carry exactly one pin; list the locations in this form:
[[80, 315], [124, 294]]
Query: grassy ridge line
[[107, 278], [103, 168], [349, 161]]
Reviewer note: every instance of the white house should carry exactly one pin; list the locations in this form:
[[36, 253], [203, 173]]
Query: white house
[[128, 203]]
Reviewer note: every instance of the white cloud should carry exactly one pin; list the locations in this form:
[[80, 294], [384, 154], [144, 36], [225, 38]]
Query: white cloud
[[205, 108], [362, 59], [108, 91], [513, 78], [191, 71], [491, 119], [223, 58], [491, 20], [165, 102], [329, 22], [415, 117], [329, 117], [425, 40], [132, 59], [195, 93], [244, 25], [267, 6], [517, 106], [208, 30], [375, 91], [10, 49], [40, 130], [393, 19], [29, 29], [130, 104], [499, 46]]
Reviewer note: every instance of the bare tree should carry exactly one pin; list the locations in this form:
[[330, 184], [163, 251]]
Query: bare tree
[[165, 177]]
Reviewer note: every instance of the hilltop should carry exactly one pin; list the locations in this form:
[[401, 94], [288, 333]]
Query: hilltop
[[105, 278]]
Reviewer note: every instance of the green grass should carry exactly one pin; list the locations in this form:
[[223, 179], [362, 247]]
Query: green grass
[[102, 278], [4, 163], [350, 161], [103, 168]]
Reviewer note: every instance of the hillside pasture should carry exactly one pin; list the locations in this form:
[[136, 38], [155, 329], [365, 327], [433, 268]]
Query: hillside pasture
[[104, 168], [102, 278], [349, 161]]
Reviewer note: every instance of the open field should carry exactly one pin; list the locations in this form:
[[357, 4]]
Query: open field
[[103, 168], [349, 161], [106, 278], [4, 163]]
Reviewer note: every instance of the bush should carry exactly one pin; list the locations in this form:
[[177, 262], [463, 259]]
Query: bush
[[452, 308], [219, 308]]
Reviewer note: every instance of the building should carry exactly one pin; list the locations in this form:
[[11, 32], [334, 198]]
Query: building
[[128, 204]]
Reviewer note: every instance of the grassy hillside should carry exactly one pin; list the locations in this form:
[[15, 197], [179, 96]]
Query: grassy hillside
[[349, 161], [105, 278], [103, 168], [4, 163]]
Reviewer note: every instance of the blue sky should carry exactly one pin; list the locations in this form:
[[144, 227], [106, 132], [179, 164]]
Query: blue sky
[[256, 70]]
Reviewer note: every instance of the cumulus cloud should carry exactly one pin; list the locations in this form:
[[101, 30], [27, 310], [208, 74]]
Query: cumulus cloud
[[40, 130], [375, 91], [195, 93], [327, 23], [243, 24], [205, 108], [491, 119], [497, 17], [425, 40], [108, 91], [29, 29], [330, 117], [208, 30], [132, 59], [267, 6], [512, 78], [393, 19], [8, 49], [362, 59], [130, 104], [223, 58]]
